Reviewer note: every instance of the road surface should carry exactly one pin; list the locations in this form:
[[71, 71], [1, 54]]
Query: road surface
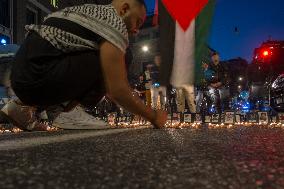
[[243, 157]]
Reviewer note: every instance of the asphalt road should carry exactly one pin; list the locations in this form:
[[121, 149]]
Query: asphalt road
[[236, 158]]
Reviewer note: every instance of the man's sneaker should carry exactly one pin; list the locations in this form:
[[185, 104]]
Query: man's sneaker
[[78, 119], [22, 116]]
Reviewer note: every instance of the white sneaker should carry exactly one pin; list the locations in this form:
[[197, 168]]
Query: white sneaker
[[78, 119], [22, 116]]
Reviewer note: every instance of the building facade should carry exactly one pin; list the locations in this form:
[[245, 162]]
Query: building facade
[[237, 75], [268, 60], [144, 49], [145, 45], [6, 15], [15, 14]]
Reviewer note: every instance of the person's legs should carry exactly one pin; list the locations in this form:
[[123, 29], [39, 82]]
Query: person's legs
[[21, 116], [190, 97], [212, 96], [215, 98], [180, 100], [224, 96], [153, 100], [148, 97], [199, 99], [7, 83], [163, 97], [218, 101], [42, 76], [154, 97]]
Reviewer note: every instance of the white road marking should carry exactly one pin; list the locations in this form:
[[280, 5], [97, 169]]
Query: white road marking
[[16, 144]]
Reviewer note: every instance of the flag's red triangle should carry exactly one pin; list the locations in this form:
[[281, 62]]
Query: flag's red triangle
[[184, 11]]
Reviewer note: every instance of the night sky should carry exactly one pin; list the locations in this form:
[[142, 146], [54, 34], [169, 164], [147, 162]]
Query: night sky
[[253, 20]]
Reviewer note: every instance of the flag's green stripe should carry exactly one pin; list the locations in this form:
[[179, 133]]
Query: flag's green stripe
[[202, 29]]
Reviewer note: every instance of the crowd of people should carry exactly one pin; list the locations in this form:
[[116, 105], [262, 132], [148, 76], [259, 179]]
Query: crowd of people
[[187, 98]]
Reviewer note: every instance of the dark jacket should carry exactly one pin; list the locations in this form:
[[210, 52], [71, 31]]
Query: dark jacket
[[220, 73]]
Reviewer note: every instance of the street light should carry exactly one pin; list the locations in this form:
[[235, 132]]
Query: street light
[[145, 48], [240, 78]]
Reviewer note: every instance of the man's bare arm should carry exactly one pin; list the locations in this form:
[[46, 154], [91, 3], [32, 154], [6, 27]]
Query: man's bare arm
[[112, 61]]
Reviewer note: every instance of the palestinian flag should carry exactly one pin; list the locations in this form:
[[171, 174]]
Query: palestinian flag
[[183, 43]]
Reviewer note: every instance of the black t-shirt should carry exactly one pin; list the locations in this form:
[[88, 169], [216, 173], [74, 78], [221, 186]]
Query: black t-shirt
[[220, 71], [43, 75]]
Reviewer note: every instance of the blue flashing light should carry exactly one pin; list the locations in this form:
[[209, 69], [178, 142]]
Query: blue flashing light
[[212, 109], [246, 105], [3, 42], [156, 85]]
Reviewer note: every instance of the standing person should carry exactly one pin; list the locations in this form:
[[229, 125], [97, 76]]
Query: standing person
[[148, 85], [203, 87], [159, 94], [219, 80], [77, 55], [186, 93], [141, 89], [155, 98]]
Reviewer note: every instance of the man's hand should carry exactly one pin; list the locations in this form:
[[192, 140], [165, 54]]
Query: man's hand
[[117, 86], [160, 119]]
